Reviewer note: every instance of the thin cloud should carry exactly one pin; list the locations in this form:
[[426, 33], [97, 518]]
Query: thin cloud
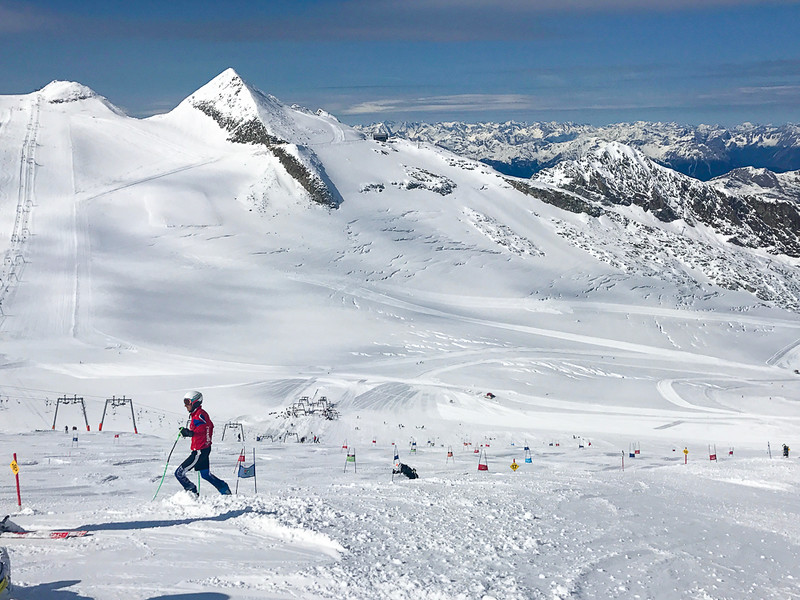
[[587, 5], [358, 20], [20, 18], [456, 102], [762, 68], [482, 103], [763, 95], [579, 100]]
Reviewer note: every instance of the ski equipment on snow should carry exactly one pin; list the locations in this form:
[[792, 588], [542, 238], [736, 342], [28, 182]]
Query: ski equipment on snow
[[45, 534], [9, 528]]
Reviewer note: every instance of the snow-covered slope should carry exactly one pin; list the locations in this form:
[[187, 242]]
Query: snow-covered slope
[[146, 257], [129, 214]]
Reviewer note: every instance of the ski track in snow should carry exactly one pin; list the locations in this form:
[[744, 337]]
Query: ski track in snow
[[386, 297], [14, 259], [667, 391]]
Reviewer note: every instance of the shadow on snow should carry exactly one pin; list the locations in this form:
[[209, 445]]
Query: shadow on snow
[[132, 525], [49, 591], [197, 596]]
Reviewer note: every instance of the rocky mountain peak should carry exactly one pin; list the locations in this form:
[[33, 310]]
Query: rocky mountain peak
[[249, 116], [241, 108], [614, 173], [751, 207], [748, 176]]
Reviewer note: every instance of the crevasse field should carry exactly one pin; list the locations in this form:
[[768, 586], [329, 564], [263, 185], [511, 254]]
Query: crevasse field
[[145, 258]]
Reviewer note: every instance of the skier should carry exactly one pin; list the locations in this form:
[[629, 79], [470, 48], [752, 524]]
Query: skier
[[201, 430], [786, 451]]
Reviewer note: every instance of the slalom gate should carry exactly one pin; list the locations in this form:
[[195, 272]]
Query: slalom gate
[[483, 462], [351, 458]]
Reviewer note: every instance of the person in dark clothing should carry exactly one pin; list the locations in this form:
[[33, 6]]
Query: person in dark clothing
[[201, 430], [786, 451], [409, 472]]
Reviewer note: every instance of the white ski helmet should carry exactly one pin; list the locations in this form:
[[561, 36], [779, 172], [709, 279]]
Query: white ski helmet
[[194, 398]]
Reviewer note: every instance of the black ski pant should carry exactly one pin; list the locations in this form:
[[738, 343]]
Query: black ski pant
[[198, 460]]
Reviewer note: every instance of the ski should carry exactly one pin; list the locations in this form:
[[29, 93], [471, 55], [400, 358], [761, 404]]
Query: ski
[[9, 528], [44, 534]]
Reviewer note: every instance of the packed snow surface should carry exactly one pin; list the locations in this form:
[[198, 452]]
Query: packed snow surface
[[437, 310], [570, 524]]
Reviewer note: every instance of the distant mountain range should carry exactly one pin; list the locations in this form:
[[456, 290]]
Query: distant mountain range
[[702, 152]]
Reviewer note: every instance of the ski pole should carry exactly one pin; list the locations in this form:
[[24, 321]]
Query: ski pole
[[166, 466]]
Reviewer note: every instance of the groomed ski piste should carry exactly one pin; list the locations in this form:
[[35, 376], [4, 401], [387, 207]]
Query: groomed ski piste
[[438, 310]]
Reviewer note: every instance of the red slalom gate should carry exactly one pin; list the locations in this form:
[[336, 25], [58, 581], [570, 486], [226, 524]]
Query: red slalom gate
[[483, 463]]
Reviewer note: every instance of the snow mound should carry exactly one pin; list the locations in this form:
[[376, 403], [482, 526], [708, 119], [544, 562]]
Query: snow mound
[[66, 91]]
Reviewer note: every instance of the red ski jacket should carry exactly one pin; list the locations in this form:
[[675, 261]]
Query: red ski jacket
[[203, 429]]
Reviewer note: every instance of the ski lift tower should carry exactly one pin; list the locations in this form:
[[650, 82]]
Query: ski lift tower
[[234, 426], [321, 405], [115, 402], [73, 400]]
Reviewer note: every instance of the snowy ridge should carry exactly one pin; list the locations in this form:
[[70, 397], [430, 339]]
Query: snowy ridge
[[70, 92], [615, 173], [705, 151], [612, 173], [761, 182], [252, 117], [233, 100]]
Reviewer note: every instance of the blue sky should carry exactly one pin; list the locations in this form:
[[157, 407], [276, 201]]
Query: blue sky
[[588, 61]]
